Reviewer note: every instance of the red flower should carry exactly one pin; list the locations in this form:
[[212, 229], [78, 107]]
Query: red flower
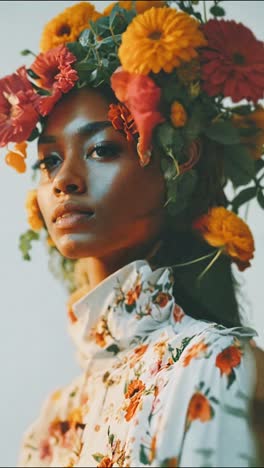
[[233, 62], [141, 96], [18, 107], [122, 119], [47, 103], [53, 67], [55, 74]]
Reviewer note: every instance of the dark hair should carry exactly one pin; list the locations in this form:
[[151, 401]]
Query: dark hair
[[214, 297]]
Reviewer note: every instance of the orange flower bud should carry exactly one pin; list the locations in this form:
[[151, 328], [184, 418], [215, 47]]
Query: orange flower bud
[[178, 115], [16, 161], [21, 148]]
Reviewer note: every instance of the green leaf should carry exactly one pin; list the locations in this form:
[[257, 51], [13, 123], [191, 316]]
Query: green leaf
[[34, 134], [239, 165], [25, 242], [260, 198], [223, 132], [243, 197], [32, 74], [113, 349], [27, 52], [195, 124], [164, 135], [242, 110], [142, 455], [98, 456], [230, 379], [259, 164], [86, 37], [217, 11], [77, 49]]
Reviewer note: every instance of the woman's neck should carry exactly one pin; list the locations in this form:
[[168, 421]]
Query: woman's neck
[[101, 268]]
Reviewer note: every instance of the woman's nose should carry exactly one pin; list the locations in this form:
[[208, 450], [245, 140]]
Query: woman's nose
[[71, 178]]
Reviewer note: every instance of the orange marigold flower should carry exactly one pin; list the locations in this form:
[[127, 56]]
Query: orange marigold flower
[[16, 161], [228, 359], [34, 216], [252, 121], [74, 297], [178, 114], [68, 25], [199, 408], [195, 351], [141, 6], [223, 228], [122, 119], [160, 39]]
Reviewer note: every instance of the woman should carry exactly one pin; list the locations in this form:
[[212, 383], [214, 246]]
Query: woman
[[169, 375]]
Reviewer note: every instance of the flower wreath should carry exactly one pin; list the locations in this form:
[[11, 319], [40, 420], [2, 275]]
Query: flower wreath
[[177, 77]]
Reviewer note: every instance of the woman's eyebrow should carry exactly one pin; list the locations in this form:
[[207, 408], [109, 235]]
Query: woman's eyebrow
[[86, 129]]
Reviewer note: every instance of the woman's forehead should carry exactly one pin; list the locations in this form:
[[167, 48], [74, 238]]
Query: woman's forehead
[[83, 111]]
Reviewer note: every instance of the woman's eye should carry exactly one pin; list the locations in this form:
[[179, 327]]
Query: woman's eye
[[48, 163], [103, 151]]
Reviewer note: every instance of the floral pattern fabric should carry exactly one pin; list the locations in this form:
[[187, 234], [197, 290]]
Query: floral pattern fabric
[[158, 387]]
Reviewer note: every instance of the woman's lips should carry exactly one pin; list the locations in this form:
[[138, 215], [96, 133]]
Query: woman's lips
[[73, 219]]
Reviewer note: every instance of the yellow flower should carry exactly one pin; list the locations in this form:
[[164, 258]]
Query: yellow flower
[[68, 25], [224, 229], [178, 114], [160, 39], [35, 219], [254, 121], [141, 6]]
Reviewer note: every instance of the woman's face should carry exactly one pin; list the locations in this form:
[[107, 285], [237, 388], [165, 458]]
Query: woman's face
[[95, 198]]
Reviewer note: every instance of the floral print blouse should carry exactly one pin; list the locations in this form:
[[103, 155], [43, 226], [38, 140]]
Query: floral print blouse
[[158, 387]]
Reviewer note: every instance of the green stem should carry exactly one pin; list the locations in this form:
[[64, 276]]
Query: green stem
[[210, 264], [204, 11], [196, 260]]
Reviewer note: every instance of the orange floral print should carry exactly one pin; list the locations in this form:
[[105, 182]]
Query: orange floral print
[[162, 299], [100, 332], [178, 313], [133, 295], [134, 393], [228, 359], [199, 408], [138, 353], [106, 462], [195, 351]]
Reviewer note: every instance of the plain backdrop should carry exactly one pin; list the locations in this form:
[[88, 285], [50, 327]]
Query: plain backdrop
[[36, 354]]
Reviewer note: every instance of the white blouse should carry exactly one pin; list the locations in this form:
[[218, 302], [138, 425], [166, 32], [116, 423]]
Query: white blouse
[[158, 387]]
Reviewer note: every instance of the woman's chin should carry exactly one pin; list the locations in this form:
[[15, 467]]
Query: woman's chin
[[77, 245]]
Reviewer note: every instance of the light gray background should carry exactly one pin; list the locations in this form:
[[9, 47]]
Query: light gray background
[[36, 355]]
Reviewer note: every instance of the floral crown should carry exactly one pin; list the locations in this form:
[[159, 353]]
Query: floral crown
[[177, 77]]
